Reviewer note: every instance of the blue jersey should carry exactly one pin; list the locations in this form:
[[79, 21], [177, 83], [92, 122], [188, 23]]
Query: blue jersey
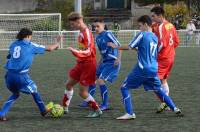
[[107, 52], [21, 54], [146, 43]]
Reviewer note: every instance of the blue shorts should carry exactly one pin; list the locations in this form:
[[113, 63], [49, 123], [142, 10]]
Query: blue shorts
[[17, 82], [107, 71], [134, 81]]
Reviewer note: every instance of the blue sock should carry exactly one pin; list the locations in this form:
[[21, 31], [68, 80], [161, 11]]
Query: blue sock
[[104, 94], [127, 100], [8, 104], [39, 102], [92, 89], [166, 99]]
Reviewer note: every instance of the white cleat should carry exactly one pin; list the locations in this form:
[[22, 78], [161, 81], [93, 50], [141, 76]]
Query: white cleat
[[95, 114], [127, 117], [178, 112]]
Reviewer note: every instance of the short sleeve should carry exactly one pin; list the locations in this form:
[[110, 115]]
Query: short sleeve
[[134, 43], [37, 49], [113, 38]]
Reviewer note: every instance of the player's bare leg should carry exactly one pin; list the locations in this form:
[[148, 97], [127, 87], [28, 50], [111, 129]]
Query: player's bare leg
[[91, 91], [96, 112], [165, 86], [68, 93]]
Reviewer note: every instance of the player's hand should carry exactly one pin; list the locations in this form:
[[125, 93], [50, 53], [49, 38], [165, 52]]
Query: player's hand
[[69, 48], [58, 39], [117, 62], [112, 45], [57, 46]]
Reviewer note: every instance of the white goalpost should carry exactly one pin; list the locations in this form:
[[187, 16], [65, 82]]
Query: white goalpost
[[44, 26], [36, 22]]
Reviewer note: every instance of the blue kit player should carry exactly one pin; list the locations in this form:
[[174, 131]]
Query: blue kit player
[[145, 71], [19, 59], [109, 64]]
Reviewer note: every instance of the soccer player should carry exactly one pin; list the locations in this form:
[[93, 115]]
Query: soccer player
[[19, 59], [109, 64], [85, 69], [145, 71], [168, 40]]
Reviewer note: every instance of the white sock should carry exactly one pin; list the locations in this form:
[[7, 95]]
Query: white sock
[[165, 88], [89, 98], [69, 96]]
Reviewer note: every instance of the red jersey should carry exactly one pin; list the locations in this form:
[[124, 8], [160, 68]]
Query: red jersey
[[168, 39], [86, 51]]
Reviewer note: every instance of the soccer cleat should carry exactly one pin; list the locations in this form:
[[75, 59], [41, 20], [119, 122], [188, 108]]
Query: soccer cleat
[[104, 107], [127, 117], [46, 112], [3, 118], [167, 109], [48, 108], [83, 104], [161, 108], [66, 110], [178, 112], [95, 114]]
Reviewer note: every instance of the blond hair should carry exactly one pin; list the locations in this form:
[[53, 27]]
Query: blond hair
[[73, 16]]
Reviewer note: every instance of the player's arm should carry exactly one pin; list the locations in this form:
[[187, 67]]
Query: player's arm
[[54, 46], [122, 47], [116, 43], [80, 53], [9, 52], [132, 45], [176, 39], [161, 38], [118, 60], [40, 49], [83, 52]]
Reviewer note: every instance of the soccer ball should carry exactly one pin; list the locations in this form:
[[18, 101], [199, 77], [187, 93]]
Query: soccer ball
[[57, 111]]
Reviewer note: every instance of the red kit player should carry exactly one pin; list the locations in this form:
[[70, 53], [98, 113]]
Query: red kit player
[[168, 40], [84, 71]]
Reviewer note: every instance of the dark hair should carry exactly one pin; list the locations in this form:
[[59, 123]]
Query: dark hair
[[23, 33], [73, 16], [158, 10], [145, 19], [99, 20]]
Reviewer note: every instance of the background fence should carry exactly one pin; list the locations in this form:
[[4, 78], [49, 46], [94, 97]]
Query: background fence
[[70, 38]]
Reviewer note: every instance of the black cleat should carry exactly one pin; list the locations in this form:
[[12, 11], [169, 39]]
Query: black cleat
[[178, 112], [3, 118]]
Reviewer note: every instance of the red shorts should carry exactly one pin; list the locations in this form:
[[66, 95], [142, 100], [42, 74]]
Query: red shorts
[[84, 72], [164, 68]]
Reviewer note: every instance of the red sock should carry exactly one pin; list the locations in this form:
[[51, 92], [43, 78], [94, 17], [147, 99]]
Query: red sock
[[64, 100], [93, 105]]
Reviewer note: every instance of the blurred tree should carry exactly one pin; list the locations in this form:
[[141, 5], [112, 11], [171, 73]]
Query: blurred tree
[[193, 5], [57, 6], [177, 12], [146, 2]]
